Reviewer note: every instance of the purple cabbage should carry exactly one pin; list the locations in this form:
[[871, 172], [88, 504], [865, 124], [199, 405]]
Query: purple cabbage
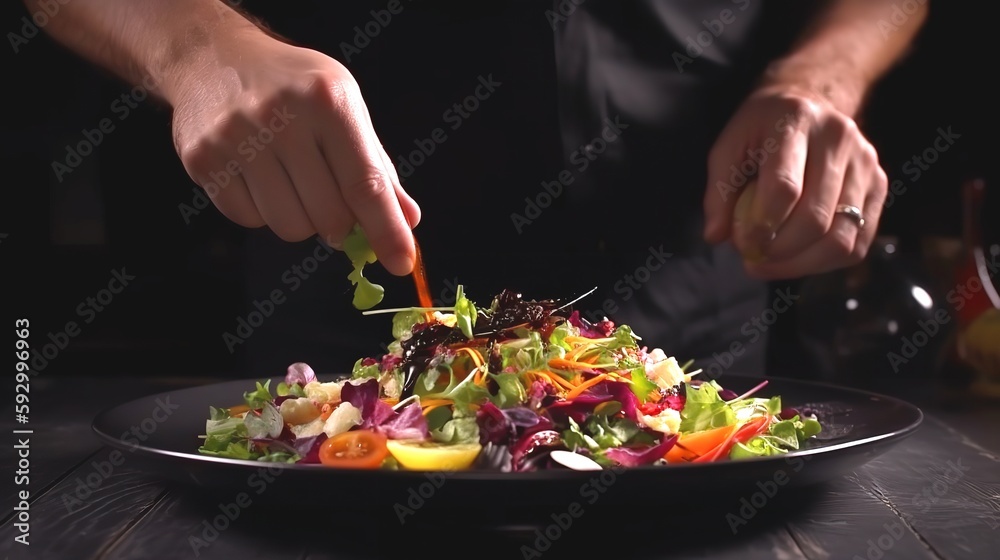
[[601, 329], [579, 409], [675, 402], [390, 362], [583, 405], [308, 448], [637, 456], [406, 423], [728, 394], [501, 426], [300, 373], [534, 448], [364, 397]]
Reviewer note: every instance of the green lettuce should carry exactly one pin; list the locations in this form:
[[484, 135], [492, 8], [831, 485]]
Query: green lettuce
[[704, 409], [360, 371], [359, 252], [465, 312], [261, 394], [461, 428]]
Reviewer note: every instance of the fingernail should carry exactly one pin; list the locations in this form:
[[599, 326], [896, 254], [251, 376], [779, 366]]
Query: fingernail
[[401, 263], [336, 245]]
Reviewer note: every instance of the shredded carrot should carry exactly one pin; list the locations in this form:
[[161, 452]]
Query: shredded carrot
[[427, 410], [434, 402], [575, 353], [585, 340], [238, 409], [556, 378], [326, 411], [477, 358], [562, 363], [590, 359], [586, 385]]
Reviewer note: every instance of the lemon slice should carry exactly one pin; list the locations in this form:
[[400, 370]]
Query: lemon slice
[[433, 456]]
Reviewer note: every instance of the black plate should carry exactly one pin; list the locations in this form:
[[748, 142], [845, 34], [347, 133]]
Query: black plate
[[858, 426]]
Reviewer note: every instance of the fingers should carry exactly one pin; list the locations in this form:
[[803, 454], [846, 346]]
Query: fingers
[[720, 193], [316, 188], [355, 160], [824, 177], [779, 187], [208, 164], [874, 202], [276, 198], [409, 206], [843, 244], [235, 203]]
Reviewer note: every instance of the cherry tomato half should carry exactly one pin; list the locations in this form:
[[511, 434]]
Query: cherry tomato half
[[356, 449]]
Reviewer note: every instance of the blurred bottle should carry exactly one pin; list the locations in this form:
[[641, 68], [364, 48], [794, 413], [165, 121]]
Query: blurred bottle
[[877, 323], [975, 300]]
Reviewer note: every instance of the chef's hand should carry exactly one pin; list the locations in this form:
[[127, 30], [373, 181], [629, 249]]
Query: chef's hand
[[803, 158], [280, 136]]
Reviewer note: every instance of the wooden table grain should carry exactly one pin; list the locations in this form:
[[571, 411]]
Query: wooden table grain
[[934, 496]]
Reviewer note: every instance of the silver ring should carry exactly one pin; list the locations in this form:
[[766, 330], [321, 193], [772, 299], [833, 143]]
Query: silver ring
[[852, 212]]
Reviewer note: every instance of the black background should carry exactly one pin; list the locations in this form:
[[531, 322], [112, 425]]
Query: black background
[[120, 207]]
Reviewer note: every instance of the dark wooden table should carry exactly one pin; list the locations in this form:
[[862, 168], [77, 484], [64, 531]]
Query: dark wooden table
[[934, 496]]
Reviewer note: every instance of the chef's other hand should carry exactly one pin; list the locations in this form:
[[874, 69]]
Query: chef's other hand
[[279, 135], [802, 159]]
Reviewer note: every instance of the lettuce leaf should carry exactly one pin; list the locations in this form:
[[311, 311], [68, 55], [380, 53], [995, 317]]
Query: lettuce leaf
[[403, 321], [459, 429], [361, 371], [465, 312], [359, 252], [640, 384], [268, 425], [704, 409], [261, 394], [511, 391], [523, 353]]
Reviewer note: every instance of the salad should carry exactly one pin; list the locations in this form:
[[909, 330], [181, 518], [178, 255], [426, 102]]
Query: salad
[[520, 385]]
